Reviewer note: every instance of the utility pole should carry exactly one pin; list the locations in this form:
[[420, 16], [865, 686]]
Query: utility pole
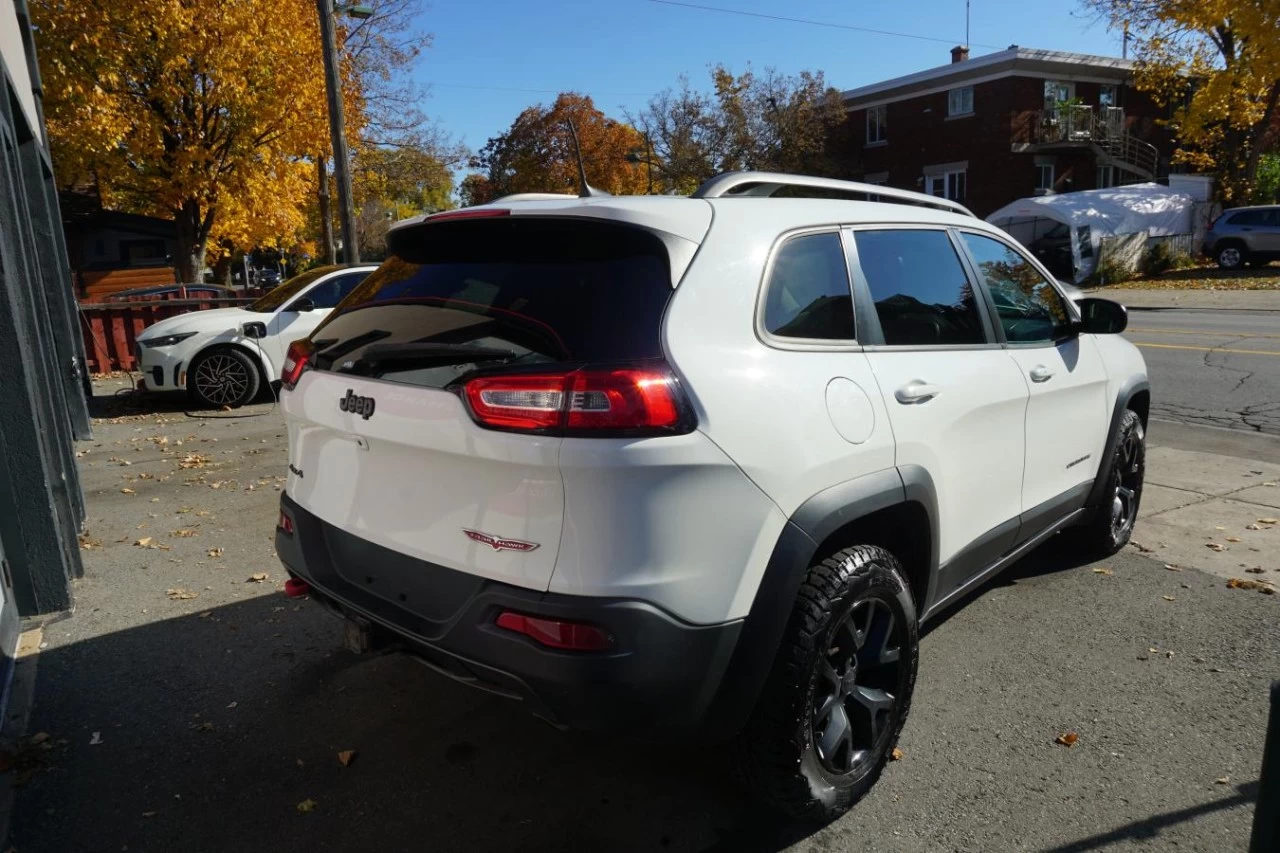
[[337, 129]]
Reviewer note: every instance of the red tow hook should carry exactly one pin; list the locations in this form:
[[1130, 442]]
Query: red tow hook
[[296, 588]]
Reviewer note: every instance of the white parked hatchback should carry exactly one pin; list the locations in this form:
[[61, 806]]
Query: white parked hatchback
[[225, 356], [702, 466]]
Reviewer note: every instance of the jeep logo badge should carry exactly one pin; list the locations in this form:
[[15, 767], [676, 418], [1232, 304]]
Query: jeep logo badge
[[356, 405]]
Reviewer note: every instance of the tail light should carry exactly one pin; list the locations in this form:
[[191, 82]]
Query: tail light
[[631, 401], [296, 360], [556, 633]]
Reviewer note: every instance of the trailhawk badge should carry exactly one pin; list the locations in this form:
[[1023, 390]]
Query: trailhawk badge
[[497, 543]]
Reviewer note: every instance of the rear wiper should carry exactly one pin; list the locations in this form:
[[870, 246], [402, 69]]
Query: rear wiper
[[331, 350], [424, 354]]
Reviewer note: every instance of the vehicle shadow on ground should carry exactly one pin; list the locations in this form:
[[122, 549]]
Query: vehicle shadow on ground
[[218, 728], [120, 400]]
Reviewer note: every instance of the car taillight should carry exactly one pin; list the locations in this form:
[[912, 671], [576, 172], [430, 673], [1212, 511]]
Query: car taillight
[[556, 633], [296, 360], [588, 401]]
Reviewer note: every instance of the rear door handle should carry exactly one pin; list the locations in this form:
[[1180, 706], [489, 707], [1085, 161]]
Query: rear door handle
[[916, 391], [1040, 373]]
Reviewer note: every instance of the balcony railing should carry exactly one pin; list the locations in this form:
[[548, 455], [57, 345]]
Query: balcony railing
[[1104, 128]]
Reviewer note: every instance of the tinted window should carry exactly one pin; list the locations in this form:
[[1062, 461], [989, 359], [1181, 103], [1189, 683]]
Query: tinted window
[[1251, 217], [328, 294], [1029, 307], [540, 290], [282, 294], [808, 291], [919, 287]]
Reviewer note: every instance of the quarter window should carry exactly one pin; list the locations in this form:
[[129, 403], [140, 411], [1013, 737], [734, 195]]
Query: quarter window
[[328, 294], [1251, 217], [960, 101], [921, 293], [808, 292], [1029, 307], [877, 123]]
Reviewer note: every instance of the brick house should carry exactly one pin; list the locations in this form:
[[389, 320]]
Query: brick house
[[1011, 124]]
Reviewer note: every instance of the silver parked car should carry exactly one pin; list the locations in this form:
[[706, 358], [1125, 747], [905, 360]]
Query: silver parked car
[[1244, 235]]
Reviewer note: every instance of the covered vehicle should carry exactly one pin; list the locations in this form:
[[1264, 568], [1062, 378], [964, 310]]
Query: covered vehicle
[[1065, 231]]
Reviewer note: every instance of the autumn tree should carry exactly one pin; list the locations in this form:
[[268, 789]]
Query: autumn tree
[[536, 153], [1217, 64], [196, 111], [767, 121]]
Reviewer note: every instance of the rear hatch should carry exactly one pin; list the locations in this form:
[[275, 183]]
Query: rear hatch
[[385, 442]]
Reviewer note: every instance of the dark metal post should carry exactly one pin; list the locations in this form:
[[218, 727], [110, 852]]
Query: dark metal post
[[338, 132], [1266, 814]]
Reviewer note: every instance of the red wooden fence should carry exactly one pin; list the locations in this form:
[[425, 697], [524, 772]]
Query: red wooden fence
[[111, 329]]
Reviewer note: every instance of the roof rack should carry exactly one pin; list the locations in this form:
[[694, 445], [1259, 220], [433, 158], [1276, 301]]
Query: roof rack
[[765, 184]]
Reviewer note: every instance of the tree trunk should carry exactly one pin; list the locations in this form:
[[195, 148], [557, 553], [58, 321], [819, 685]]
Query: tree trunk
[[192, 230], [326, 219]]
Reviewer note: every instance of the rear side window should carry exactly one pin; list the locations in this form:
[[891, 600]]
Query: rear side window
[[807, 295], [511, 291], [1253, 217], [329, 293], [919, 287]]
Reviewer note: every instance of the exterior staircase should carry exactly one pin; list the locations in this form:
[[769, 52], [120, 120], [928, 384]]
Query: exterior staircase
[[1103, 130]]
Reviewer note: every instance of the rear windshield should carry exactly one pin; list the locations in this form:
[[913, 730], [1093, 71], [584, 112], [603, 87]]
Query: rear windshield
[[511, 291]]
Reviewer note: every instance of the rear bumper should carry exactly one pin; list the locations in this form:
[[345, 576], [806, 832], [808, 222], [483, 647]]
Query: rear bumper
[[663, 677]]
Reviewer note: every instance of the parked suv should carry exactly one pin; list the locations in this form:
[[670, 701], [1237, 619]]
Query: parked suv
[[1244, 235], [702, 466]]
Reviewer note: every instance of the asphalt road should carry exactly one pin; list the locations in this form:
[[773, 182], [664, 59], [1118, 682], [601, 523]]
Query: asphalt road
[[201, 724], [1220, 368]]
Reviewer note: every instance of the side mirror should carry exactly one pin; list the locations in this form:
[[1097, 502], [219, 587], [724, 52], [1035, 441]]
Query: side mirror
[[1102, 316], [303, 304], [254, 330]]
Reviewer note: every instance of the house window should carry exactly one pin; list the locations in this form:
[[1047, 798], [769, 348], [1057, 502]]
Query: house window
[[960, 101], [142, 253], [877, 124], [1056, 92], [1105, 177], [1108, 96], [948, 185], [1044, 177]]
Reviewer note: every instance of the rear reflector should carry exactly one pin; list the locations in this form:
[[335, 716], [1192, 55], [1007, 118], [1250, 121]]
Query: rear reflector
[[296, 360], [556, 634], [627, 400], [285, 523]]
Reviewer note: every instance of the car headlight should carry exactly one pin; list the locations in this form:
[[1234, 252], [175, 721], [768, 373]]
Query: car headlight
[[165, 340]]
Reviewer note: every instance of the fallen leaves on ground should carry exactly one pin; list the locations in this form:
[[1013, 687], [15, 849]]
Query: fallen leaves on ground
[[346, 756], [1269, 521], [896, 755], [1215, 546], [193, 460], [127, 492], [179, 594], [96, 739], [257, 577], [184, 533], [1102, 570], [307, 805], [1171, 567], [1256, 570], [87, 542], [215, 552], [1264, 587], [1067, 739], [1168, 598], [1222, 780]]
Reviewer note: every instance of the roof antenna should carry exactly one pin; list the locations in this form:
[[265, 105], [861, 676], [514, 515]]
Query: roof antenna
[[585, 190]]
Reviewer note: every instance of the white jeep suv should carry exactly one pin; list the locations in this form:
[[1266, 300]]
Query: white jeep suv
[[702, 466]]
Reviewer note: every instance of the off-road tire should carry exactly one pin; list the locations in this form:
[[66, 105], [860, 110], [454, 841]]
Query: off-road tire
[[240, 376], [780, 762], [1106, 532]]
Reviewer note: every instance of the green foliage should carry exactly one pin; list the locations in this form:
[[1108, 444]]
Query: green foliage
[[1266, 187]]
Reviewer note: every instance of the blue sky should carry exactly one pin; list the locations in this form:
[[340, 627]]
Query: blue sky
[[621, 51]]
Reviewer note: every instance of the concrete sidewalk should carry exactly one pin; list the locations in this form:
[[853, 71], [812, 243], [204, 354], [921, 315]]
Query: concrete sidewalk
[[1212, 501], [1237, 300]]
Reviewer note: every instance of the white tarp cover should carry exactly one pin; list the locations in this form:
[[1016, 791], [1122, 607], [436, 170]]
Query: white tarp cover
[[1091, 215]]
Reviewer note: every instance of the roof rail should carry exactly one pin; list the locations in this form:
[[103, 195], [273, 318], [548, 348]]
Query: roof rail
[[532, 197], [767, 183]]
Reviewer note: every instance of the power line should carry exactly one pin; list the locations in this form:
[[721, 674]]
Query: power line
[[810, 22]]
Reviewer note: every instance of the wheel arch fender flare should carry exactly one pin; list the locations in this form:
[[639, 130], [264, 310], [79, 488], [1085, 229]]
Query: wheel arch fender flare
[[1130, 389], [795, 551]]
